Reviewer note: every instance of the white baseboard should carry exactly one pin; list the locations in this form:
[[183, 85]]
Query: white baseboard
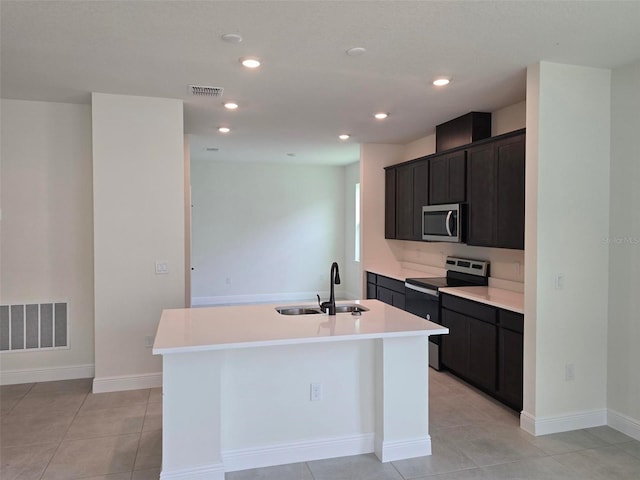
[[49, 374], [126, 382], [261, 298], [623, 423], [403, 449], [562, 423], [208, 472], [294, 452]]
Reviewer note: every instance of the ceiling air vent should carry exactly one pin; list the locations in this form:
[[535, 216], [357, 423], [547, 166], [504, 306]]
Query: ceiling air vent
[[201, 91]]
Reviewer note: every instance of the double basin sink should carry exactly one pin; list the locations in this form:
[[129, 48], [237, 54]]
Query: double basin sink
[[352, 308]]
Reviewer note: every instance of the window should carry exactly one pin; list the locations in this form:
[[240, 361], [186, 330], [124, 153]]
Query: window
[[357, 230]]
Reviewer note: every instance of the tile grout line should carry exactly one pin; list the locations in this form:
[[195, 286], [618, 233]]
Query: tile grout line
[[135, 458], [65, 433], [313, 477]]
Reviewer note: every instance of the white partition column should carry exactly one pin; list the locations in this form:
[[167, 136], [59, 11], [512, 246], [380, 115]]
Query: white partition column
[[402, 409]]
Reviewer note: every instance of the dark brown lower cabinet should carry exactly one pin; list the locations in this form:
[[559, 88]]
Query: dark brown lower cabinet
[[484, 347], [511, 355], [385, 289], [481, 368], [454, 345]]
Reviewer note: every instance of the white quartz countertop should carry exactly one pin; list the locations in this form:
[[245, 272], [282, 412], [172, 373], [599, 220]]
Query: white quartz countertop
[[497, 297], [216, 328]]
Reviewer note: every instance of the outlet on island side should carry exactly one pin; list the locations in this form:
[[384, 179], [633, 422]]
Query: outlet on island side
[[148, 341], [569, 372], [315, 392]]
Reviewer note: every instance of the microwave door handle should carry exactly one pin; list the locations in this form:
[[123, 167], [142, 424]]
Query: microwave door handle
[[447, 222]]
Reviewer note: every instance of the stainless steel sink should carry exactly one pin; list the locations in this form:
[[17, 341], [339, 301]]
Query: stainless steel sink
[[348, 308], [297, 310], [351, 308]]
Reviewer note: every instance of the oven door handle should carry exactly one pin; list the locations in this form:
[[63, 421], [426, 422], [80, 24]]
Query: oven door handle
[[428, 291]]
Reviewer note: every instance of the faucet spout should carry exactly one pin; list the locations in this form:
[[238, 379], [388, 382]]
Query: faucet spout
[[330, 306]]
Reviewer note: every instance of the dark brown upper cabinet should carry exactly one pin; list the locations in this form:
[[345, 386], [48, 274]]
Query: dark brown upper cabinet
[[447, 178], [406, 192], [496, 180], [404, 202], [390, 203]]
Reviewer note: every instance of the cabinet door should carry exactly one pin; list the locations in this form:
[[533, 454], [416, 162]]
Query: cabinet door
[[398, 300], [385, 295], [457, 177], [482, 185], [510, 346], [447, 178], [438, 180], [510, 193], [372, 290], [454, 346], [404, 202], [482, 360], [390, 203], [420, 195]]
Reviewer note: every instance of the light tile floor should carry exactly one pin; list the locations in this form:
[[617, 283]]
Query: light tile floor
[[60, 431]]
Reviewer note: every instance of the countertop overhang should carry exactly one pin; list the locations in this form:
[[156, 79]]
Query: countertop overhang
[[247, 326]]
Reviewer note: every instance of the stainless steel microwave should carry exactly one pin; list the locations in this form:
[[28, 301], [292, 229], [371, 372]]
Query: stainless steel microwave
[[443, 223]]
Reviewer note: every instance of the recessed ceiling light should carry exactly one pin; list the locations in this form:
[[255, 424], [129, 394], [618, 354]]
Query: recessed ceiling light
[[344, 136], [224, 129], [231, 38], [356, 51], [441, 82], [381, 115], [250, 62], [231, 105]]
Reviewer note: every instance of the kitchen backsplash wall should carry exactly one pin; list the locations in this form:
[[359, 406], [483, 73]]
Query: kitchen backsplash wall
[[505, 264]]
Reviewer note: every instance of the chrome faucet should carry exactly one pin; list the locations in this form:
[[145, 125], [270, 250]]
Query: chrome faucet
[[330, 306]]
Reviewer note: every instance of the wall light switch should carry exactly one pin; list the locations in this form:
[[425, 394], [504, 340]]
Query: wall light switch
[[162, 267], [558, 281]]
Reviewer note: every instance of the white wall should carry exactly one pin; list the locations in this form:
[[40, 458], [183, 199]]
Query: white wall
[[624, 253], [505, 264], [46, 233], [138, 191], [571, 221], [265, 232], [352, 271]]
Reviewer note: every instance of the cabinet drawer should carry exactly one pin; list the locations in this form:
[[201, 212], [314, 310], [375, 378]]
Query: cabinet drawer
[[511, 320], [391, 284], [470, 308], [372, 278]]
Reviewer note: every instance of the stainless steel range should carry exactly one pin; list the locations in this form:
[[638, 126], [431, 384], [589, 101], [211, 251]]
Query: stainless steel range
[[422, 296]]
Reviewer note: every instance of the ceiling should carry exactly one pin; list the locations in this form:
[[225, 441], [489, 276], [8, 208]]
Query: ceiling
[[308, 90]]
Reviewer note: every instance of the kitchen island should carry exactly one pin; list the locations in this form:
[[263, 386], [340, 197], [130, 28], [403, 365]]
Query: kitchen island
[[246, 387]]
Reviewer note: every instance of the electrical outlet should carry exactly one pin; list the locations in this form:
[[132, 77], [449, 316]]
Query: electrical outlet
[[228, 280], [569, 372], [558, 281], [148, 341], [315, 392], [516, 268]]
